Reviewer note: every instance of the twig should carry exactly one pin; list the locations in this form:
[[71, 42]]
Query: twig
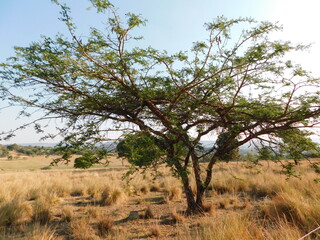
[[309, 233]]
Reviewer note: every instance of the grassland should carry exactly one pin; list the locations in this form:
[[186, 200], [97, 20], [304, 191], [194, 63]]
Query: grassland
[[97, 204], [25, 163]]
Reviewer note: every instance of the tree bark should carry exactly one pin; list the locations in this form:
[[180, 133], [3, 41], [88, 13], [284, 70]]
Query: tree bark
[[200, 194], [193, 206], [200, 187]]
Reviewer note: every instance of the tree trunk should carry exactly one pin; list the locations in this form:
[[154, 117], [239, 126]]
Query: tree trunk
[[198, 208], [200, 194], [193, 206]]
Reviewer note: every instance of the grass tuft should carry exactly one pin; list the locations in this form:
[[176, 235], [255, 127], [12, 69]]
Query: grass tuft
[[15, 212], [41, 212], [105, 227], [148, 213], [112, 196], [67, 214], [155, 231], [81, 229], [210, 209], [38, 232], [177, 217], [174, 193], [155, 188]]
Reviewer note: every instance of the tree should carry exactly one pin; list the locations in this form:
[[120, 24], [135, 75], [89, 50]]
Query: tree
[[234, 88], [3, 151]]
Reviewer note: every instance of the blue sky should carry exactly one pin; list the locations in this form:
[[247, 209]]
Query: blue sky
[[172, 25]]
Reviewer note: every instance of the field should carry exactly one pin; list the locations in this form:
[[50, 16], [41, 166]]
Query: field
[[37, 202]]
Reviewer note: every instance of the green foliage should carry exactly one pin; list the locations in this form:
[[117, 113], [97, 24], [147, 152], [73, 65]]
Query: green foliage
[[88, 159], [266, 153], [101, 5], [140, 149], [296, 144], [289, 169], [90, 154], [289, 144], [3, 151], [316, 167], [25, 150], [223, 144]]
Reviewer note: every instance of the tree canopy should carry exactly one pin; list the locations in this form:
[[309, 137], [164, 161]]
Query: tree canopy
[[233, 88]]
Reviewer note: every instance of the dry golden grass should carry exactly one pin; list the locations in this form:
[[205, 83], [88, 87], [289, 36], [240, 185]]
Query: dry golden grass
[[105, 227], [148, 213], [95, 205], [111, 196], [37, 232], [174, 193], [67, 213], [81, 229], [176, 217], [296, 209], [233, 226], [14, 212], [155, 231], [155, 187], [41, 212], [210, 209], [93, 212]]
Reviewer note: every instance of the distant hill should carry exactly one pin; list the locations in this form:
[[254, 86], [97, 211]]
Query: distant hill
[[36, 144], [111, 145]]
